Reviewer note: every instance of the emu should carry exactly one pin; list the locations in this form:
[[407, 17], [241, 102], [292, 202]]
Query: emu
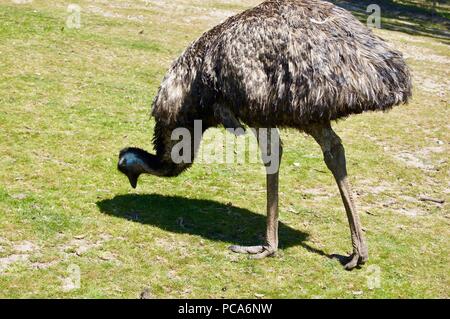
[[284, 64]]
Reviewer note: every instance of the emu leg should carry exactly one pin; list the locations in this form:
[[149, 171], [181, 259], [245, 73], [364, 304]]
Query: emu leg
[[334, 156], [271, 245]]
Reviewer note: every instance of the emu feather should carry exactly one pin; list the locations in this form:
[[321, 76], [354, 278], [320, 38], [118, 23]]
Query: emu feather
[[275, 65]]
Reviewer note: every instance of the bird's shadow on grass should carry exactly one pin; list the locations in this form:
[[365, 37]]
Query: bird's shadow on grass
[[206, 218]]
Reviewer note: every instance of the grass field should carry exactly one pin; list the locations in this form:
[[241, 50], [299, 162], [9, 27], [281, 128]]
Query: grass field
[[70, 99]]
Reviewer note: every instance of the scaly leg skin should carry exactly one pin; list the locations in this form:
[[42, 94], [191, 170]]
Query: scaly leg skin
[[334, 156], [270, 249], [271, 246]]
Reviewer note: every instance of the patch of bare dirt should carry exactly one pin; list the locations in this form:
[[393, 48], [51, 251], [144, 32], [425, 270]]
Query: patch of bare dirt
[[108, 256], [188, 11], [412, 160], [318, 193], [20, 196], [431, 85], [166, 244], [424, 80], [79, 245], [421, 54], [411, 212], [369, 186], [22, 251], [6, 262], [25, 247], [43, 265], [427, 151], [402, 204], [425, 158]]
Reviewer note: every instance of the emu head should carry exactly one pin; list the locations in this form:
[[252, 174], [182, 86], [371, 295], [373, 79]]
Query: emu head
[[134, 161], [131, 164]]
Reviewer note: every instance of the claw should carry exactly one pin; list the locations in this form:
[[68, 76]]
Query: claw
[[255, 252], [247, 249], [356, 260], [352, 263], [264, 254]]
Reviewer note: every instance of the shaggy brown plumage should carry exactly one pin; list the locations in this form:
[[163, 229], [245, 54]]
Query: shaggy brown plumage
[[284, 63]]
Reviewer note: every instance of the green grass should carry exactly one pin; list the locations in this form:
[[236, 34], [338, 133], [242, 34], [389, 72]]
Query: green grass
[[70, 99]]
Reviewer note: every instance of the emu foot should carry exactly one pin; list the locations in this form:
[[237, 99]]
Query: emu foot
[[254, 252], [355, 260]]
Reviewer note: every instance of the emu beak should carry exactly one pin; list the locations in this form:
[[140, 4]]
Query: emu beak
[[133, 180]]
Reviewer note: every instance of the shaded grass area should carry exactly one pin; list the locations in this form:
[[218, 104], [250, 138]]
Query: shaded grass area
[[208, 219], [71, 99], [411, 17]]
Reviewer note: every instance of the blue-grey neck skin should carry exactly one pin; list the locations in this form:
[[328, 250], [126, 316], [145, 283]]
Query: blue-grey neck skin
[[134, 161]]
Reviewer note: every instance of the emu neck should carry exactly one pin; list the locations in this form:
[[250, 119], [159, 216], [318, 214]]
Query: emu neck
[[163, 143]]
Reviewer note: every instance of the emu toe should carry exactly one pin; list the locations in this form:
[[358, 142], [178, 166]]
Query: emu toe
[[355, 260], [255, 252]]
